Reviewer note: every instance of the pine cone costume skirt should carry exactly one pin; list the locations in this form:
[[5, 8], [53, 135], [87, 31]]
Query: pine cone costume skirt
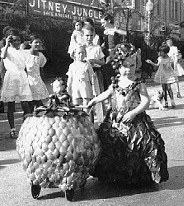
[[131, 154]]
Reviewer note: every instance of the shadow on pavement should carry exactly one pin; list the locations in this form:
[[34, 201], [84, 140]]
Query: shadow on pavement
[[1, 167], [51, 195], [176, 179], [3, 163], [7, 144], [178, 107], [8, 161], [168, 121], [95, 190], [103, 191]]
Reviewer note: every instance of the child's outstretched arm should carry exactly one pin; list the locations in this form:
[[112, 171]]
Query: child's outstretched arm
[[97, 61], [103, 96], [152, 63], [4, 50], [144, 104], [120, 31]]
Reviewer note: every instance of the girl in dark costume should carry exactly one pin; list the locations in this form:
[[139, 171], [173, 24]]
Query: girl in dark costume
[[133, 151]]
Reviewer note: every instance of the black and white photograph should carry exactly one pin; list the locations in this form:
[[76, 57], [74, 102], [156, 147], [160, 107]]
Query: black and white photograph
[[92, 102]]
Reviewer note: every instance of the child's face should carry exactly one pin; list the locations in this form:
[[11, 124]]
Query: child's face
[[128, 67], [58, 86], [104, 23], [88, 36], [80, 54], [78, 26], [169, 42], [36, 44], [16, 41], [161, 53]]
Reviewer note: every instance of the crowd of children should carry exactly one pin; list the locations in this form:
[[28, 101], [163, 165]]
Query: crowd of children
[[22, 81]]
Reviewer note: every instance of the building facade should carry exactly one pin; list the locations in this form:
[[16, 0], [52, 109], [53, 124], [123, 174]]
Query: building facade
[[166, 17]]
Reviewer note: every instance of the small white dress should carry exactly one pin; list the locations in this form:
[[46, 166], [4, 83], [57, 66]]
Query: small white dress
[[33, 64], [15, 85], [77, 38], [174, 54], [165, 73]]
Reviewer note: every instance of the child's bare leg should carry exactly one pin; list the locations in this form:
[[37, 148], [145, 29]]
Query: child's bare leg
[[169, 89], [164, 88], [170, 92], [10, 114], [178, 89]]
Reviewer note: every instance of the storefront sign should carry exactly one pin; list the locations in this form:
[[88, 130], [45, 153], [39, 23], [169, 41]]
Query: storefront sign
[[75, 9], [125, 4]]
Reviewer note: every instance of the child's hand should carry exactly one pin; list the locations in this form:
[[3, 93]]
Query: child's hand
[[91, 103], [148, 61], [103, 46], [92, 61], [9, 39], [128, 117]]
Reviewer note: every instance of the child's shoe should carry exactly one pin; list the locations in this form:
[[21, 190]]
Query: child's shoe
[[178, 95], [173, 105], [13, 133], [166, 105]]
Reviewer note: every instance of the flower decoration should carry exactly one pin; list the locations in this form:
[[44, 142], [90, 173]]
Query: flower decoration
[[114, 81], [121, 52]]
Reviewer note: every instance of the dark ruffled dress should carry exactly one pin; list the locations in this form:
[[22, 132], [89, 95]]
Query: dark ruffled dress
[[132, 153]]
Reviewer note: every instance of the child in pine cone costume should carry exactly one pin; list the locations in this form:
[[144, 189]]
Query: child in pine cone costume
[[133, 151]]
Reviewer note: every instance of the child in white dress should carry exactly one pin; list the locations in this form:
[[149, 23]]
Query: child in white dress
[[77, 37], [34, 61], [179, 71], [81, 78], [15, 84], [165, 73]]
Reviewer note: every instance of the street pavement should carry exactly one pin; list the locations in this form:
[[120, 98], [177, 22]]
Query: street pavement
[[15, 190]]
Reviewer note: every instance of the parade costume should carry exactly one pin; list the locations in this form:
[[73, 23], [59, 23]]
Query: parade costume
[[133, 152]]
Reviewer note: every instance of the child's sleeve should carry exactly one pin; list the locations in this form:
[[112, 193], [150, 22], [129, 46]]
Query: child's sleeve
[[159, 60], [100, 53], [43, 59], [2, 52]]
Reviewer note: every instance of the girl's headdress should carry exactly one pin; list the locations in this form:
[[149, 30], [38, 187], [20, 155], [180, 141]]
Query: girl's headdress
[[121, 52]]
